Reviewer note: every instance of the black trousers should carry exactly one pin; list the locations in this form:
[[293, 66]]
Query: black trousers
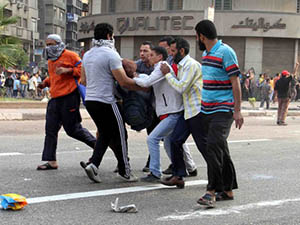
[[111, 129], [64, 111], [210, 132]]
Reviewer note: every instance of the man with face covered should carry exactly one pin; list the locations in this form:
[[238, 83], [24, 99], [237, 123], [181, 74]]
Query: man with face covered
[[63, 109]]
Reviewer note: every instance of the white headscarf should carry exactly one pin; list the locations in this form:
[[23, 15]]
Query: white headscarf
[[53, 52]]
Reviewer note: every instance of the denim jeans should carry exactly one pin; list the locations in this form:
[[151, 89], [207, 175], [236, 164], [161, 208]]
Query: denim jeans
[[162, 131]]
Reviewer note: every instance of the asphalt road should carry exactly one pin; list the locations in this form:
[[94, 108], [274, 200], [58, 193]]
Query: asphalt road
[[266, 158]]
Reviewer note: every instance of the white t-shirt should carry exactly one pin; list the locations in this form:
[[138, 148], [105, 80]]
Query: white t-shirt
[[32, 83], [98, 63]]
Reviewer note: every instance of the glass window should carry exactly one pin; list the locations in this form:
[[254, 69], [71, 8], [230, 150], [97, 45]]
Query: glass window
[[112, 6], [54, 29], [55, 11], [223, 4], [19, 23], [62, 32], [298, 6], [175, 4], [25, 23], [34, 25], [227, 5], [61, 15], [145, 5], [26, 2]]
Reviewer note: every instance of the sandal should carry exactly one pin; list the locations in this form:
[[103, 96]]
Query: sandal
[[222, 196], [46, 166], [208, 200]]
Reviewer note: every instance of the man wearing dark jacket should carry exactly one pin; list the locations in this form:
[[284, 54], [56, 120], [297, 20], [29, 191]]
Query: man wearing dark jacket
[[282, 88]]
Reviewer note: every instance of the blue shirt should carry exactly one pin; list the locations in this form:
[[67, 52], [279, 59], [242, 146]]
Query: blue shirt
[[218, 66]]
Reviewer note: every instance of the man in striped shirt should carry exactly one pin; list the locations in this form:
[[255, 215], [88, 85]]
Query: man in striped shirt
[[220, 105], [189, 83]]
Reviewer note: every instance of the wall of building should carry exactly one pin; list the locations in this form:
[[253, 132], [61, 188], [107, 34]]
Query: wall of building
[[278, 54], [289, 6]]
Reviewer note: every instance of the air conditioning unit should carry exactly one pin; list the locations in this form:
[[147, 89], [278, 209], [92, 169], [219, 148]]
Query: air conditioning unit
[[19, 5], [25, 8]]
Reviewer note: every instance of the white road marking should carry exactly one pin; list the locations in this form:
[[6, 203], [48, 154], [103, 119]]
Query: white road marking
[[107, 192], [218, 212], [10, 153]]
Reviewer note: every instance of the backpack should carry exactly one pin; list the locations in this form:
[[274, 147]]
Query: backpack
[[137, 108]]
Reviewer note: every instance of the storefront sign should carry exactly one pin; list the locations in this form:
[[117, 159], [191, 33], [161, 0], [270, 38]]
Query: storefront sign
[[259, 24], [156, 23]]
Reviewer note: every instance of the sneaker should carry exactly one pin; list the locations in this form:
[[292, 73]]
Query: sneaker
[[130, 178], [84, 164], [146, 169], [150, 178], [193, 173], [92, 172], [168, 170]]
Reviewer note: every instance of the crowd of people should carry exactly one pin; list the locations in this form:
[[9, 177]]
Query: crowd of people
[[23, 85], [187, 99]]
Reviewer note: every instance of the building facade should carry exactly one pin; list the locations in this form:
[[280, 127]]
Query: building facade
[[26, 28], [74, 12], [263, 33]]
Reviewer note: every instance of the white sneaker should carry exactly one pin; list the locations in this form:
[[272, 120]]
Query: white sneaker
[[92, 172], [130, 178]]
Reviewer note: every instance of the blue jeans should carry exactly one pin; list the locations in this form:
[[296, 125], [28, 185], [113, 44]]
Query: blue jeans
[[162, 131]]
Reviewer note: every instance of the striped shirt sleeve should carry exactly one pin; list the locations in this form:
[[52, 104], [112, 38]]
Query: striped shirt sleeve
[[231, 63], [186, 79]]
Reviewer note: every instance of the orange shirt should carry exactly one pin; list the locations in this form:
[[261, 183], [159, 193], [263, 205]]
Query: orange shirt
[[63, 84]]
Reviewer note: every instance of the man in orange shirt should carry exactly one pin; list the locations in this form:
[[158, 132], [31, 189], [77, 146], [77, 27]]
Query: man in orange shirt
[[64, 67]]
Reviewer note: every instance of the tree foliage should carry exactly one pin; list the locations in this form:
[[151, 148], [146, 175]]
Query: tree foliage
[[11, 49]]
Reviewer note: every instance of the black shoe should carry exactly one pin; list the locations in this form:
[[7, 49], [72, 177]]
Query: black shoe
[[150, 178], [169, 170], [116, 170], [193, 173], [146, 169], [84, 164]]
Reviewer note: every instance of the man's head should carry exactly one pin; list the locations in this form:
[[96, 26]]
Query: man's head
[[103, 31], [179, 49], [285, 73], [205, 31], [145, 51], [53, 39], [165, 42], [157, 54]]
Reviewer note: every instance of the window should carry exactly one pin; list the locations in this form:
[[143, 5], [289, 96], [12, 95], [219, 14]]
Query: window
[[55, 11], [61, 15], [34, 25], [62, 32], [19, 22], [223, 4], [145, 5], [26, 2], [298, 6], [112, 6], [175, 4], [25, 23]]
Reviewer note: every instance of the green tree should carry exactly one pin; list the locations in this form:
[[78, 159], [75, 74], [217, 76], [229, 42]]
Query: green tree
[[10, 47]]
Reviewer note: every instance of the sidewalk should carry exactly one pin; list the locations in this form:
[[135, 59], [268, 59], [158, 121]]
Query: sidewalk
[[37, 110]]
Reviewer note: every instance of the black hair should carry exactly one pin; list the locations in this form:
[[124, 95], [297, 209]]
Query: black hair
[[102, 30], [167, 39], [148, 43], [207, 28], [182, 43], [161, 51]]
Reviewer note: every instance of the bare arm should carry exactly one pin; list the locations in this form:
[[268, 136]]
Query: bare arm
[[296, 69], [236, 89], [126, 82], [83, 77]]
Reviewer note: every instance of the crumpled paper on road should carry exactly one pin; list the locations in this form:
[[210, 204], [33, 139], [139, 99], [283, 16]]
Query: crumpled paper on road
[[123, 209], [12, 201]]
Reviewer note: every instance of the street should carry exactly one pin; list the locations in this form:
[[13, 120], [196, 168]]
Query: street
[[266, 158]]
